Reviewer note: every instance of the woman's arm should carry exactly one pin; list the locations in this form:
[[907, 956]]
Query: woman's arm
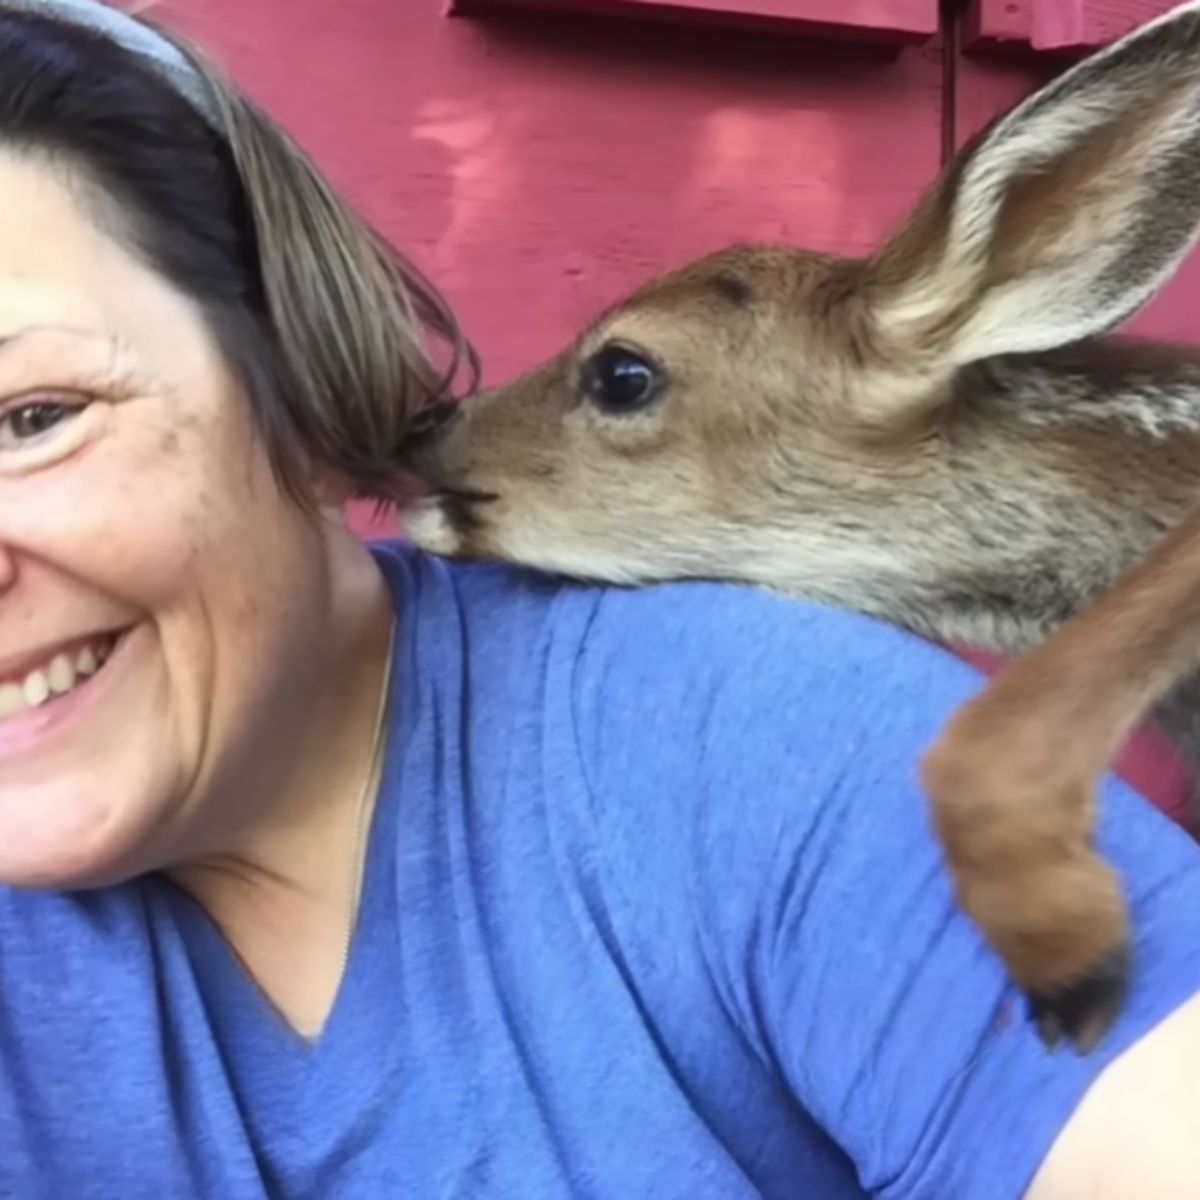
[[1136, 1133]]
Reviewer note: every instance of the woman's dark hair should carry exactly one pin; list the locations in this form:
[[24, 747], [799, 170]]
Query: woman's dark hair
[[321, 320]]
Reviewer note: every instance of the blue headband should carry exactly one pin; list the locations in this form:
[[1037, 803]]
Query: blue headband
[[160, 55]]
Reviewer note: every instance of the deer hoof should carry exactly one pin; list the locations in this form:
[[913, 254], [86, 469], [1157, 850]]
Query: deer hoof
[[1085, 1010]]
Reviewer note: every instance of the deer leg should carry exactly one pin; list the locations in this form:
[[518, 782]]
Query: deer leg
[[1012, 778]]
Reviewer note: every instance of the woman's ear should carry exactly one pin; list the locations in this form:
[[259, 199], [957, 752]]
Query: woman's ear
[[330, 490], [349, 312]]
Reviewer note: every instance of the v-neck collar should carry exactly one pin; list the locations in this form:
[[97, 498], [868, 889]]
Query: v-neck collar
[[278, 1071]]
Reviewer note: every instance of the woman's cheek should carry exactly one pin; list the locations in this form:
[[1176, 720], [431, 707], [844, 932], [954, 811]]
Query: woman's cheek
[[142, 502]]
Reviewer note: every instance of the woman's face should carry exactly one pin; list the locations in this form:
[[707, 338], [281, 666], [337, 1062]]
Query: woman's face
[[160, 598]]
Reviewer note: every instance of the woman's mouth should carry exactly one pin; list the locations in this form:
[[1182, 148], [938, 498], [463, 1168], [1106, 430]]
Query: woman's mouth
[[60, 674]]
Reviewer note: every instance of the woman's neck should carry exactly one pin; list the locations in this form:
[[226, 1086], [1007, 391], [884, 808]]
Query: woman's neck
[[284, 889]]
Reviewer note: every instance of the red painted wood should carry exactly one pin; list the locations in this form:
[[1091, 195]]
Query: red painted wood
[[540, 168], [997, 25], [887, 21], [1066, 27]]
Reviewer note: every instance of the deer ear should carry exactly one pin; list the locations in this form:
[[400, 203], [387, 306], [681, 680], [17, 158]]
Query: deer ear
[[1061, 218]]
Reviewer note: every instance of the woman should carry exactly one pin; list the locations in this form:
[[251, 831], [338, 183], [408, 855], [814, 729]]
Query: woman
[[340, 872]]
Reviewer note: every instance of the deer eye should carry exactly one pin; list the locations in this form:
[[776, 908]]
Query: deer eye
[[619, 381]]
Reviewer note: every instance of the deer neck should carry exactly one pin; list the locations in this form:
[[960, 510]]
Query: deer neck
[[1048, 475]]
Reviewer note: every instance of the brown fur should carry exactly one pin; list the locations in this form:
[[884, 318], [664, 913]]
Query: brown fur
[[1034, 742], [938, 436]]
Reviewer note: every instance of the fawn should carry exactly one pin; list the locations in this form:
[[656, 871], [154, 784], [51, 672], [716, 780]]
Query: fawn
[[936, 435]]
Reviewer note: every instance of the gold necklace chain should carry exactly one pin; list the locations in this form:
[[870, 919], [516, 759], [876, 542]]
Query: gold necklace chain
[[370, 788]]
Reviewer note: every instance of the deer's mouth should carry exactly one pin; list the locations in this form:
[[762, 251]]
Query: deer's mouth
[[460, 508], [413, 490], [468, 497], [446, 520]]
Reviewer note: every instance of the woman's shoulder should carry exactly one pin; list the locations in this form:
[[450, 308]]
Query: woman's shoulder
[[680, 691], [102, 941], [674, 630]]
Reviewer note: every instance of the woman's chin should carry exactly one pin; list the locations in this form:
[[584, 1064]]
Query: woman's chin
[[65, 837], [86, 779]]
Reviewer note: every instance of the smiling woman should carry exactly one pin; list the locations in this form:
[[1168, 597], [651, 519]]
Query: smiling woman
[[150, 349], [183, 306], [334, 870]]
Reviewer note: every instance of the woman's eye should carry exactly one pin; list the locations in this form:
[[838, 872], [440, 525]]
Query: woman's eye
[[27, 423]]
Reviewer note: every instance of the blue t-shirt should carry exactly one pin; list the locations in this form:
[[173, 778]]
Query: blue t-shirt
[[651, 911]]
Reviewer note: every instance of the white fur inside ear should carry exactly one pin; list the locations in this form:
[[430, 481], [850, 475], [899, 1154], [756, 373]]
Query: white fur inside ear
[[1062, 300], [1103, 144], [427, 526]]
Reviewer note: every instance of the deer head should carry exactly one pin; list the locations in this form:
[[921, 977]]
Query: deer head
[[806, 421]]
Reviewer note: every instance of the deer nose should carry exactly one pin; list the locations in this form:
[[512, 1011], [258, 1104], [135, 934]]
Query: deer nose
[[432, 418]]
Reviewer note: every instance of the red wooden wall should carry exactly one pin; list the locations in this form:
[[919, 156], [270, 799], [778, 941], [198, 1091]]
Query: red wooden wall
[[540, 163], [539, 167]]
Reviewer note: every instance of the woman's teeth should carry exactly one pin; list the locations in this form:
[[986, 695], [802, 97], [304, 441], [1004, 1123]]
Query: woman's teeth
[[62, 674]]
